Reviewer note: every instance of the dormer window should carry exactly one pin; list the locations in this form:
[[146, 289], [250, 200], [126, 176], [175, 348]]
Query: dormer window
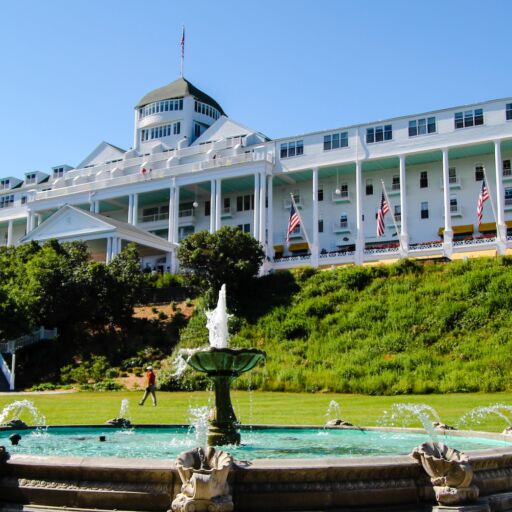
[[4, 184], [379, 133], [30, 179], [58, 172]]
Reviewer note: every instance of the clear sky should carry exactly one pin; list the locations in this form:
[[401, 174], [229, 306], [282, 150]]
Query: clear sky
[[72, 70]]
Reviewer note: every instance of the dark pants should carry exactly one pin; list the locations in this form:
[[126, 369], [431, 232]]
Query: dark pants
[[149, 390]]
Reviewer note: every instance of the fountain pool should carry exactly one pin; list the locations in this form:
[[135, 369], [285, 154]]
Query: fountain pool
[[258, 442]]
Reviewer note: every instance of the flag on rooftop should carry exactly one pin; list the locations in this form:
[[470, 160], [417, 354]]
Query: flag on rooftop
[[484, 195], [293, 222], [381, 213]]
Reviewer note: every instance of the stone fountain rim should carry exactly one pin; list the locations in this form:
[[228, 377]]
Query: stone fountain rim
[[228, 350]]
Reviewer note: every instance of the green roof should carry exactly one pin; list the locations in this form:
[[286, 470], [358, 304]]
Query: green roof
[[178, 89]]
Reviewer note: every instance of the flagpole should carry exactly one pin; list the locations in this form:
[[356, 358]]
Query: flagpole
[[498, 234], [182, 44], [391, 210], [301, 223]]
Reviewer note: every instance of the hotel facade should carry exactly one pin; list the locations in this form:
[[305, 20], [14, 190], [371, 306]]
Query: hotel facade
[[192, 168]]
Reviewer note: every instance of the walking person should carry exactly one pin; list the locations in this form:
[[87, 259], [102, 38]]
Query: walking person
[[150, 386]]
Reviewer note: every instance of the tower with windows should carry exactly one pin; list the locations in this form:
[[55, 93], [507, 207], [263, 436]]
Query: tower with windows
[[174, 116]]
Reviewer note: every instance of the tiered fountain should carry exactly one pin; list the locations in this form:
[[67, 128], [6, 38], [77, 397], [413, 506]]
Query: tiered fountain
[[222, 365]]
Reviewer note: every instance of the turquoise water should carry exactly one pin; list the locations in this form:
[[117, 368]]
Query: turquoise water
[[167, 443]]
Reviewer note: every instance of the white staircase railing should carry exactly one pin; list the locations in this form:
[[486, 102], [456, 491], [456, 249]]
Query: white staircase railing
[[11, 346]]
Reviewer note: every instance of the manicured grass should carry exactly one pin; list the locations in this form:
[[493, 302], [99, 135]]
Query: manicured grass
[[256, 407]]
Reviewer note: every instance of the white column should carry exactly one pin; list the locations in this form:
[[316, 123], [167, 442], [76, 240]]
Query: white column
[[448, 232], [176, 214], [218, 204], [108, 254], [404, 234], [256, 217], [96, 208], [130, 209], [263, 211], [29, 221], [212, 205], [315, 244], [270, 219], [39, 219], [360, 240], [501, 226], [135, 209], [9, 233], [170, 223], [91, 206], [135, 131]]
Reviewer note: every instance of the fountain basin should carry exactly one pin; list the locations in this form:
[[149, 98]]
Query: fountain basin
[[373, 483], [225, 361]]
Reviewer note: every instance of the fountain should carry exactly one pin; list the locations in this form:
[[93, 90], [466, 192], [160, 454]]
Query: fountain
[[478, 414], [222, 365], [124, 418], [15, 409]]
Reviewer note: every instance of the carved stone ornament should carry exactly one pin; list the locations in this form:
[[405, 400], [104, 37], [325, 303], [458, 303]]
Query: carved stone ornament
[[204, 473], [338, 423], [15, 424], [449, 471], [4, 455], [119, 422]]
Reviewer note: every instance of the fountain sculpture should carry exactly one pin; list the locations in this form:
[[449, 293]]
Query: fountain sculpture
[[222, 365]]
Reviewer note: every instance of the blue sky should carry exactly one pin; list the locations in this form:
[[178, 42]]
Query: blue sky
[[73, 70]]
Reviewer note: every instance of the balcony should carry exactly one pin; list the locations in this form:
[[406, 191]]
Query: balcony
[[507, 174], [155, 217], [341, 226], [455, 210], [226, 213], [454, 182], [343, 196], [187, 217], [508, 203], [395, 189]]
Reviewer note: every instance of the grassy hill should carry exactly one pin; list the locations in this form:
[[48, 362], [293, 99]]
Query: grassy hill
[[399, 329]]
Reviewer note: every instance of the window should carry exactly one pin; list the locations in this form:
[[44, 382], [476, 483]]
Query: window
[[207, 208], [160, 131], [184, 231], [58, 172], [369, 187], [379, 133], [30, 179], [320, 194], [343, 220], [226, 205], [160, 106], [6, 201], [320, 226], [343, 189], [23, 199], [424, 210], [422, 126], [479, 172], [469, 118], [395, 185], [423, 179], [452, 175], [246, 228], [207, 110], [245, 203], [507, 170], [508, 196], [398, 213], [335, 141], [508, 112], [4, 184], [294, 148], [454, 204]]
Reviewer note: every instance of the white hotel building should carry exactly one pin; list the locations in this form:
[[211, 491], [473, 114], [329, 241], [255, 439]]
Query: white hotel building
[[192, 168]]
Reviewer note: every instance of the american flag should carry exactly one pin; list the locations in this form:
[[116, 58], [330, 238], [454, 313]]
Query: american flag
[[182, 43], [484, 195], [381, 213], [293, 222]]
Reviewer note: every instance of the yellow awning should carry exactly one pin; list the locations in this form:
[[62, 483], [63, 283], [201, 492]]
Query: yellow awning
[[278, 248], [464, 229], [300, 246], [487, 226]]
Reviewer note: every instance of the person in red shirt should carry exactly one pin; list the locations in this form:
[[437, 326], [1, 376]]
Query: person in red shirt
[[150, 386]]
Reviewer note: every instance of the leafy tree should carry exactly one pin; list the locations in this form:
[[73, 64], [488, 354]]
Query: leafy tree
[[228, 256]]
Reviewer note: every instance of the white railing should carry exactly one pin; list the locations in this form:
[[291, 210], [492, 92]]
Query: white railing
[[154, 217], [9, 347], [508, 201], [474, 241], [186, 213], [227, 211], [453, 181], [6, 371], [287, 259], [382, 250], [395, 187], [337, 254], [421, 246], [133, 175], [344, 195], [342, 226]]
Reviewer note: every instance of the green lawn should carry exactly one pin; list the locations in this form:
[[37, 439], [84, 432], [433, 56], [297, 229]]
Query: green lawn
[[256, 407]]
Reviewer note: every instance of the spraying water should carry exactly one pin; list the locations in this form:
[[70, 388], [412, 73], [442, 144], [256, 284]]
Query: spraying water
[[198, 420], [14, 410], [217, 322], [478, 414], [124, 411], [403, 413], [333, 411]]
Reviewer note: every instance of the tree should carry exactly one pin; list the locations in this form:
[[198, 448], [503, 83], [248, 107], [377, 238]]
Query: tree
[[228, 256]]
